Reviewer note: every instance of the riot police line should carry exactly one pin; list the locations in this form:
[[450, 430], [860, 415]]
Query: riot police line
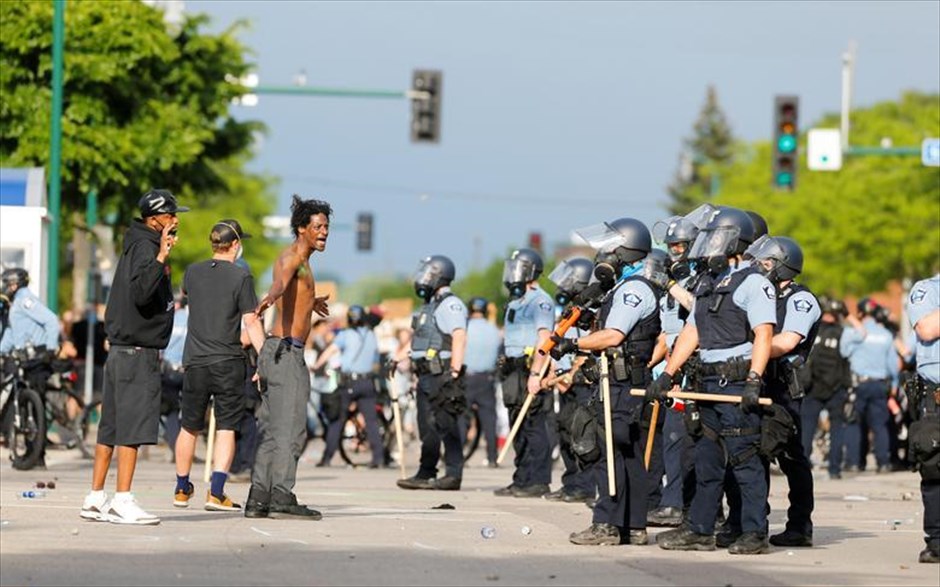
[[718, 311]]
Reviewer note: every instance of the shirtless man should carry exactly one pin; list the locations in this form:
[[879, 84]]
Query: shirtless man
[[283, 374]]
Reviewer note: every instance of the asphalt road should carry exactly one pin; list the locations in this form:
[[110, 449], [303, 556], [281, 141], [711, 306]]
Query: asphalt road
[[868, 532]]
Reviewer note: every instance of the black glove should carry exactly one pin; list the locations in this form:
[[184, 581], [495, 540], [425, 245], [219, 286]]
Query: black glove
[[751, 393], [586, 320], [563, 346], [657, 390]]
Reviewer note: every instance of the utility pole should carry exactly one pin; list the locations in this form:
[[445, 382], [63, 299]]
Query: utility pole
[[55, 154], [848, 74]]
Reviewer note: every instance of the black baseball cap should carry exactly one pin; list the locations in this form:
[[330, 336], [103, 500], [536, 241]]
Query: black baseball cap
[[159, 202], [227, 230]]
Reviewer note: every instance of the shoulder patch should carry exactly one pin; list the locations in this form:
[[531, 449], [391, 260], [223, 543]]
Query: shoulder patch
[[918, 295], [802, 306], [456, 307], [545, 306], [631, 299], [29, 303], [769, 291]]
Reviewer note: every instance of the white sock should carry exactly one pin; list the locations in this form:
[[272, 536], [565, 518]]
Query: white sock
[[122, 496], [97, 494]]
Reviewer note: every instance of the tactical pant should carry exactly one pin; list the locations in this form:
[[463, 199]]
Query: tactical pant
[[576, 479], [809, 414], [435, 426], [711, 458], [657, 467], [282, 417], [871, 405], [533, 458], [628, 507], [481, 391], [362, 391], [678, 462], [795, 465]]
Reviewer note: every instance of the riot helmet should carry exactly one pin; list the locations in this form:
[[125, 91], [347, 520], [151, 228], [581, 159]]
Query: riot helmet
[[478, 305], [13, 280], [433, 273], [677, 233], [655, 267], [727, 233], [760, 225], [619, 243], [355, 316], [521, 268], [779, 258], [571, 276]]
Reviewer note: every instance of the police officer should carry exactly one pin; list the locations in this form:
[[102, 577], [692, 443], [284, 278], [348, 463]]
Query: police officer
[[528, 323], [30, 321], [677, 234], [627, 328], [780, 258], [359, 356], [923, 310], [437, 352], [829, 378], [483, 342], [732, 324], [577, 436], [874, 364]]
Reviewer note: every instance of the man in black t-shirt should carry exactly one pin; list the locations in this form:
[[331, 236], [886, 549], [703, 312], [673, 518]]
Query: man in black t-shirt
[[221, 298]]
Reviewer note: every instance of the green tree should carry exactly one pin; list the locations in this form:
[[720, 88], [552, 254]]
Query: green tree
[[143, 106], [704, 156], [875, 220]]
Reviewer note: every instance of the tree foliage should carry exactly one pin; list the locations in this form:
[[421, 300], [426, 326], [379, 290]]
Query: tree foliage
[[143, 107], [875, 220], [710, 148]]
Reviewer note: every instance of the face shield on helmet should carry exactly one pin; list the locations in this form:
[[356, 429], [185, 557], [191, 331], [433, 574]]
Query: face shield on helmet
[[571, 276], [701, 216], [655, 267], [768, 255], [427, 278], [608, 242], [714, 246], [517, 273]]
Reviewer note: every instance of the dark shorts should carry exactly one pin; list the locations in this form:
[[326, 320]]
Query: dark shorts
[[130, 404], [224, 382]]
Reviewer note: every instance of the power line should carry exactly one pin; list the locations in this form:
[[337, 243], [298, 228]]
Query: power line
[[429, 193]]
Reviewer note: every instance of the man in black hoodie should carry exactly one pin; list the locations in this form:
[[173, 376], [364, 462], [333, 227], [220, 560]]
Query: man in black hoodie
[[138, 321]]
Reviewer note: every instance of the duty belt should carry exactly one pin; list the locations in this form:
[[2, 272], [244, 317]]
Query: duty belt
[[356, 376], [434, 366], [731, 370]]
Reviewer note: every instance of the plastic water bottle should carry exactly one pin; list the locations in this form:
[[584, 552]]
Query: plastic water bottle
[[33, 494], [488, 532]]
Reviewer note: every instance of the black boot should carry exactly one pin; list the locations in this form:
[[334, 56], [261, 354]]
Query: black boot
[[258, 503], [929, 556], [285, 506], [750, 543], [685, 539], [667, 516], [415, 483], [790, 538], [597, 535]]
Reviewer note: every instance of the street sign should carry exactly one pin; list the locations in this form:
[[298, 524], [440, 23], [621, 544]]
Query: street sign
[[824, 149], [930, 152]]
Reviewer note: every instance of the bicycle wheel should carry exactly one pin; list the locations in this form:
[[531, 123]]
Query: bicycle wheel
[[26, 435], [474, 432], [354, 445], [91, 414]]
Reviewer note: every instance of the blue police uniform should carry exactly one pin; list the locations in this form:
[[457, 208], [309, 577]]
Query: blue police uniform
[[359, 354], [434, 324], [874, 364], [727, 309], [677, 457], [633, 309], [172, 377], [577, 481], [483, 342], [924, 300], [30, 322], [525, 317]]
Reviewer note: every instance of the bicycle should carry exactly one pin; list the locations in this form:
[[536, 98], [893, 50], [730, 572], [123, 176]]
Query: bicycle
[[23, 415]]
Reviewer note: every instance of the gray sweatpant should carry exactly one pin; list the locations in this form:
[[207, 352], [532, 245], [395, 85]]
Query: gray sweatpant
[[282, 418]]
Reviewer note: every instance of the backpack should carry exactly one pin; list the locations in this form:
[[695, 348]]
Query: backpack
[[827, 370], [578, 427]]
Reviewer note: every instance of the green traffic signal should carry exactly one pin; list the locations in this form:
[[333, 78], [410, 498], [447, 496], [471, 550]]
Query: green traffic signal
[[786, 143], [785, 178]]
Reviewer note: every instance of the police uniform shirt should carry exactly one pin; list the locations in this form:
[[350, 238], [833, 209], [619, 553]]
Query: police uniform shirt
[[801, 314], [758, 298], [173, 353], [669, 309], [923, 301], [871, 355], [30, 323], [359, 350], [450, 315], [483, 342], [525, 316], [631, 302]]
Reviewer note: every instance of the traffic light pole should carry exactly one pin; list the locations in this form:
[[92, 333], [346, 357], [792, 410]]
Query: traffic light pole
[[339, 92]]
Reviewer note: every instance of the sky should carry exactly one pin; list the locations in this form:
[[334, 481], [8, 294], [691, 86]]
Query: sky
[[556, 115]]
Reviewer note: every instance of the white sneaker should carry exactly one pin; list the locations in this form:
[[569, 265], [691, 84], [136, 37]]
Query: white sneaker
[[124, 510], [95, 506]]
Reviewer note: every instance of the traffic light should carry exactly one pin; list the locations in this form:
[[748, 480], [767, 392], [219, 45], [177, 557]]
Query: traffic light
[[364, 231], [535, 241], [786, 134], [426, 88]]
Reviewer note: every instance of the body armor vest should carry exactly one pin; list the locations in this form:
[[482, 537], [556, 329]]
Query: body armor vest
[[721, 323], [802, 349], [427, 335], [641, 340]]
